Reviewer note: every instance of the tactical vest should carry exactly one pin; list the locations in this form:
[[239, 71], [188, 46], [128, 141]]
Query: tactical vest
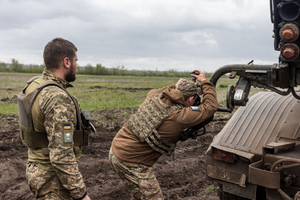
[[148, 118], [29, 136]]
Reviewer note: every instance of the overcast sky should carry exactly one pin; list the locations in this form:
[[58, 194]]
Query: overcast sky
[[180, 35]]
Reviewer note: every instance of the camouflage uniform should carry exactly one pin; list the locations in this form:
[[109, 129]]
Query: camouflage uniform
[[153, 131], [52, 172], [139, 179]]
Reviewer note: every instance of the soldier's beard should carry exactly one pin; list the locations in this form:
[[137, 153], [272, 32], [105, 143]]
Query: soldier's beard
[[71, 76]]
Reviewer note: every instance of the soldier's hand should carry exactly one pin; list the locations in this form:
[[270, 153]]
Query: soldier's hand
[[200, 76]]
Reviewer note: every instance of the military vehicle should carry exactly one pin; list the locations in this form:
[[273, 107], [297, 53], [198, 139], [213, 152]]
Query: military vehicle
[[257, 153]]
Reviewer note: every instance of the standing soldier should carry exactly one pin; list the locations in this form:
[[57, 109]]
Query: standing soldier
[[52, 127], [154, 130]]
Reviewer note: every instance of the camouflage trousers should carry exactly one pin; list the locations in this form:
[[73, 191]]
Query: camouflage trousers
[[45, 185], [139, 179]]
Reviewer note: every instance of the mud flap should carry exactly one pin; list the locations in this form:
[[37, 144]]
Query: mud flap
[[232, 182], [226, 175], [249, 192]]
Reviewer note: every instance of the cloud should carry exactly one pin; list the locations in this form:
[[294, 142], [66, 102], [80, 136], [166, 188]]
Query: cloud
[[150, 35]]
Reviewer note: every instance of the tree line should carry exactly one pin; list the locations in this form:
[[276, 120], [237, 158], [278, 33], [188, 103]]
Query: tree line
[[99, 69]]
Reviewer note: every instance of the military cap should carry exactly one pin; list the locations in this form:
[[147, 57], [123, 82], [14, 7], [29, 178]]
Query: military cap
[[188, 88]]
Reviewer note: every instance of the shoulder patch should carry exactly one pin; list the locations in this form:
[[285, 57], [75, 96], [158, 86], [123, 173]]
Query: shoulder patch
[[67, 133], [195, 108]]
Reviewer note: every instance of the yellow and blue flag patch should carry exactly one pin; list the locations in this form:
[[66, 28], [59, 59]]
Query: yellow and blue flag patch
[[67, 126], [67, 133]]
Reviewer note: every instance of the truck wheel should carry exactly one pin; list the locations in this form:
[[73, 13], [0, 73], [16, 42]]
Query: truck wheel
[[227, 196]]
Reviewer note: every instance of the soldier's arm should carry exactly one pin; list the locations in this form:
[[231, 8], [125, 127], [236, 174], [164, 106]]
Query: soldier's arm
[[60, 115], [209, 102], [189, 117]]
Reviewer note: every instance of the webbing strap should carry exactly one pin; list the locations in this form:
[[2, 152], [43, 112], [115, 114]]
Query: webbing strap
[[159, 144]]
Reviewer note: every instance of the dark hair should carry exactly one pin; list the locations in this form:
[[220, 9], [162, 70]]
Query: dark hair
[[56, 50]]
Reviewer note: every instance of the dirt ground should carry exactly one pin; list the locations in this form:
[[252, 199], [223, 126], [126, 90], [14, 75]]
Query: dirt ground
[[182, 176]]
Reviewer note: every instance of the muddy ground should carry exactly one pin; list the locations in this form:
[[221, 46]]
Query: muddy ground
[[181, 177]]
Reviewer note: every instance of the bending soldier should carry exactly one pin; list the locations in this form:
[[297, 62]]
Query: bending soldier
[[154, 130], [51, 126]]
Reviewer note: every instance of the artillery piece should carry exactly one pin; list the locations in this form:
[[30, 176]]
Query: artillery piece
[[257, 153]]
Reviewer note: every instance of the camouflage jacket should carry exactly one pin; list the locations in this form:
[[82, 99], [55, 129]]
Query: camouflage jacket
[[52, 110], [129, 148]]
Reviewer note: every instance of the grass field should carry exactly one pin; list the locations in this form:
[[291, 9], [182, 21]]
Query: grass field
[[99, 92]]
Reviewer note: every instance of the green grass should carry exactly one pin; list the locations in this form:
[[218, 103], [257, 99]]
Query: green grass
[[8, 108], [100, 92], [105, 92]]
